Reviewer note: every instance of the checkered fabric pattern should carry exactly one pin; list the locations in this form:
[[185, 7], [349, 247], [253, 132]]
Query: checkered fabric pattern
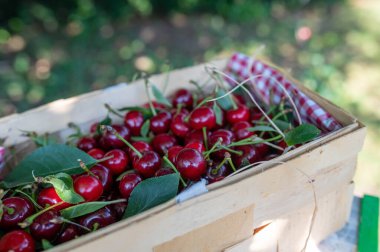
[[267, 87]]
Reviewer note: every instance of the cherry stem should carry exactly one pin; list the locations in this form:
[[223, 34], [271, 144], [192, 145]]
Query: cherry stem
[[30, 198], [31, 218], [113, 111], [76, 128], [196, 84], [179, 108], [104, 159], [113, 131], [220, 165], [60, 220], [9, 209], [166, 159], [231, 164], [231, 150], [154, 112], [204, 131], [207, 153], [85, 168], [123, 174], [96, 226]]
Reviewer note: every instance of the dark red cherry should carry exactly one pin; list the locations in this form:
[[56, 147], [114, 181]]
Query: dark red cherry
[[241, 113], [227, 138], [48, 197], [44, 226], [134, 120], [178, 126], [15, 210], [17, 241], [160, 123], [96, 153], [195, 136], [87, 143], [184, 97], [162, 142], [128, 183], [240, 130], [98, 219], [163, 172], [104, 175], [215, 173], [256, 114], [110, 141], [89, 187], [239, 98], [148, 164], [118, 163], [202, 117], [141, 147], [262, 149], [172, 153], [250, 154], [196, 145], [69, 233], [191, 164]]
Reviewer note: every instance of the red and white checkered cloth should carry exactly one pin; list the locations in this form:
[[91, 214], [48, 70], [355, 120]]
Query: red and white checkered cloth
[[268, 88]]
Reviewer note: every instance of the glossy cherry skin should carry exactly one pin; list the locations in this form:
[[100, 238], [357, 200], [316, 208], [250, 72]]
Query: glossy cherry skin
[[250, 154], [214, 174], [69, 233], [173, 152], [128, 183], [160, 123], [141, 147], [162, 142], [43, 227], [163, 172], [195, 136], [240, 130], [202, 117], [178, 126], [89, 187], [98, 219], [241, 113], [148, 164], [118, 163], [227, 138], [184, 97], [104, 175], [87, 143], [191, 164], [196, 145], [96, 153], [17, 241], [48, 197], [110, 141], [134, 120], [16, 209]]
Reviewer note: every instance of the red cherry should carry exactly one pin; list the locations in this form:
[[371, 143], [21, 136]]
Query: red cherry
[[184, 97], [250, 154], [240, 130], [16, 210], [163, 172], [227, 138], [195, 136], [141, 147], [160, 123], [241, 113], [96, 153], [17, 241], [148, 164], [214, 174], [202, 117], [162, 142], [98, 219], [43, 227], [110, 141], [173, 152], [118, 163], [178, 126], [48, 197], [87, 143], [104, 175], [196, 145], [89, 187], [128, 183], [191, 164], [134, 120], [69, 233]]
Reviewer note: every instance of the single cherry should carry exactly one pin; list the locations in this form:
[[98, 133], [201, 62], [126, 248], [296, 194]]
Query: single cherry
[[241, 131], [17, 241], [148, 164], [184, 97], [202, 117], [87, 143], [98, 219], [141, 147], [89, 187], [110, 141], [128, 183], [69, 233], [160, 123], [216, 172], [44, 226], [134, 120], [48, 197], [241, 113], [178, 126], [104, 175], [172, 153], [191, 164], [15, 210], [118, 163], [196, 145], [96, 153], [250, 154], [162, 142]]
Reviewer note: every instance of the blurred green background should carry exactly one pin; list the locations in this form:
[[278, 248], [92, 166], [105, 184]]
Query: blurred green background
[[56, 49]]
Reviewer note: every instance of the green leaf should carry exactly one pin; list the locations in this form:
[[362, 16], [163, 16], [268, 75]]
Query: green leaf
[[282, 125], [64, 187], [160, 98], [86, 208], [45, 161], [152, 192], [46, 244], [301, 134], [262, 128], [145, 128], [105, 121], [218, 114], [224, 102]]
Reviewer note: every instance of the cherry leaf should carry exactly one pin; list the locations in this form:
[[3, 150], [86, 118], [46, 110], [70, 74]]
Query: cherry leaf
[[64, 187], [160, 98], [301, 134], [224, 102], [145, 128], [218, 114], [46, 244]]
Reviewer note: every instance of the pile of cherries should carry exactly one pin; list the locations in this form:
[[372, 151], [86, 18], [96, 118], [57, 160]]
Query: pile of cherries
[[189, 137]]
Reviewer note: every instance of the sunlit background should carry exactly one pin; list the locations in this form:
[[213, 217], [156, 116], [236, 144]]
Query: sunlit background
[[57, 49]]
